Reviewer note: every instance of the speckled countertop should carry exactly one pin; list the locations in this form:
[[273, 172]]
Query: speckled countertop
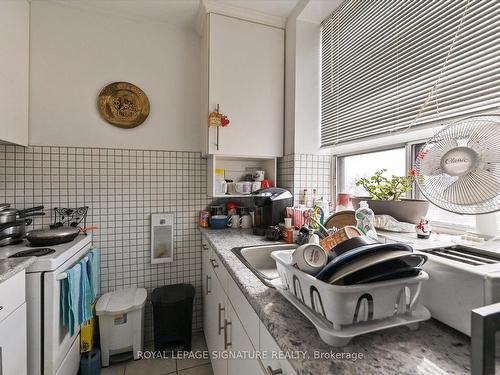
[[433, 349], [10, 266]]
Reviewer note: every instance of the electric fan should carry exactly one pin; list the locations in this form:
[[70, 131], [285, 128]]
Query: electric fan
[[458, 169]]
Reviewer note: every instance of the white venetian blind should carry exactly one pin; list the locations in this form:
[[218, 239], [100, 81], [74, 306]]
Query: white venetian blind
[[381, 58]]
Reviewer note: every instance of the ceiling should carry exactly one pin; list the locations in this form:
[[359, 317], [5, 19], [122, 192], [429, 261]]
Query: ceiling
[[181, 13]]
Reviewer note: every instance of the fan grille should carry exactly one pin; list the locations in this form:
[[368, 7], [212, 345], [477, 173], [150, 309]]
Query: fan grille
[[458, 169]]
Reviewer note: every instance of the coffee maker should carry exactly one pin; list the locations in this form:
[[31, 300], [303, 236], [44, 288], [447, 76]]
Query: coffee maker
[[270, 208]]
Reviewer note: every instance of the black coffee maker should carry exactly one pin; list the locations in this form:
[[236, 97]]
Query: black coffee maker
[[270, 208]]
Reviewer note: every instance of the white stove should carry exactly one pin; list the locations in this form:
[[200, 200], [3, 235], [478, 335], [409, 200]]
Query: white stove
[[51, 349]]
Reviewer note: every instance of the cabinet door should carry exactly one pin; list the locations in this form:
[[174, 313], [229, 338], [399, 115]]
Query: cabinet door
[[246, 78], [267, 344], [14, 71], [13, 349], [218, 315], [238, 342]]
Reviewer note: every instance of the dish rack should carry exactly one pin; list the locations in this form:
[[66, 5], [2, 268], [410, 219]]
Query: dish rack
[[342, 312]]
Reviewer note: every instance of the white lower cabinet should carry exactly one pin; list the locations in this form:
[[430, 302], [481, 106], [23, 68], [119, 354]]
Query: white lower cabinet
[[232, 328], [13, 346]]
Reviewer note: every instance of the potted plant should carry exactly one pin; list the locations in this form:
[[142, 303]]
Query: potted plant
[[385, 196]]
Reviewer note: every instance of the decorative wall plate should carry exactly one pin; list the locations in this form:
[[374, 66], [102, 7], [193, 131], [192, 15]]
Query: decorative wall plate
[[123, 104]]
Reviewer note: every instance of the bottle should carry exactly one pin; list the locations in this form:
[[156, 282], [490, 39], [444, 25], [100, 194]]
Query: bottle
[[364, 220], [304, 198], [314, 198]]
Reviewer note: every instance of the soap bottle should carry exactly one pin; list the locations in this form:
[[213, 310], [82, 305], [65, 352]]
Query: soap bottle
[[365, 219]]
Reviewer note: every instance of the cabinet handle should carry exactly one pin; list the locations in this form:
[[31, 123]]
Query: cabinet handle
[[205, 247], [1, 362], [270, 371], [214, 263], [1, 308], [226, 343], [208, 286], [221, 309]]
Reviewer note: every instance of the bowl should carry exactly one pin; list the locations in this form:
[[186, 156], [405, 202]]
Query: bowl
[[218, 222]]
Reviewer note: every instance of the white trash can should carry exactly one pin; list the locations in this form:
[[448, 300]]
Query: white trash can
[[121, 322]]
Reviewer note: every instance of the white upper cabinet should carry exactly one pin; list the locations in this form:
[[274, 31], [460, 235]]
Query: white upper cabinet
[[243, 73], [14, 71]]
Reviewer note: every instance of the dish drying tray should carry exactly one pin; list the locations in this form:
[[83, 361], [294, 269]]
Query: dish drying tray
[[340, 313]]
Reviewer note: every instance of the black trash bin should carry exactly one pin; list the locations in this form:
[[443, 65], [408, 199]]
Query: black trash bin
[[172, 316]]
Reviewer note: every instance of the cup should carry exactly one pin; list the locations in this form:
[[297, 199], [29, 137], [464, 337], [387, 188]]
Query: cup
[[310, 258], [234, 221], [256, 185], [246, 221], [258, 175], [231, 188], [288, 222], [220, 187], [244, 187], [265, 184]]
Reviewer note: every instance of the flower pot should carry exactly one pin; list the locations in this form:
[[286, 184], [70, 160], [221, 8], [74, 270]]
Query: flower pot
[[406, 210]]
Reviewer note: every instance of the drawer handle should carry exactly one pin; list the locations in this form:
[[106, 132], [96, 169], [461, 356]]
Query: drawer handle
[[214, 263], [1, 362], [205, 247], [208, 285], [226, 343], [221, 309], [270, 371]]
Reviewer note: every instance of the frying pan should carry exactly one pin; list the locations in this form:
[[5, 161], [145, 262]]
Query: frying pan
[[49, 237]]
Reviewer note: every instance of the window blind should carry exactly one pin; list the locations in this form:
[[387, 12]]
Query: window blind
[[381, 58]]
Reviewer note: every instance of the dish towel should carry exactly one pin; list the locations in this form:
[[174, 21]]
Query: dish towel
[[86, 294], [73, 297], [94, 272]]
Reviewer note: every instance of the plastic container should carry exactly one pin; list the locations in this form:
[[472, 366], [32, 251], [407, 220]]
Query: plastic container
[[172, 316], [365, 220], [90, 362], [346, 305], [121, 322]]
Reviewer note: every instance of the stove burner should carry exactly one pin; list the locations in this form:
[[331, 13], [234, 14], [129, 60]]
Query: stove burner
[[40, 252]]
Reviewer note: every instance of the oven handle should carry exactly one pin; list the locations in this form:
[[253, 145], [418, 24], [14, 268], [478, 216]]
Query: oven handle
[[64, 275], [485, 322]]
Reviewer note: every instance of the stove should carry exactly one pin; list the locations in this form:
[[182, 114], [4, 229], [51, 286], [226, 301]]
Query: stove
[[52, 350], [48, 260]]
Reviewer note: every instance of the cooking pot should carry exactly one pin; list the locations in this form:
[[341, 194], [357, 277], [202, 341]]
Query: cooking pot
[[11, 215], [48, 237]]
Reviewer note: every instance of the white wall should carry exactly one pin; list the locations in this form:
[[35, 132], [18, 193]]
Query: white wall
[[75, 53]]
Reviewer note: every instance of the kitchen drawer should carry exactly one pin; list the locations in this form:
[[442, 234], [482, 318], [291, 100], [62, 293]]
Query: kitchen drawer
[[12, 294], [271, 364]]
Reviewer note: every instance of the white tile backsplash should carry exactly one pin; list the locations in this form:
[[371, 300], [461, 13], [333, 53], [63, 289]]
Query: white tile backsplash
[[122, 188]]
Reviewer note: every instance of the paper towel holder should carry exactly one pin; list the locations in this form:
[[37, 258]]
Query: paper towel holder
[[162, 238]]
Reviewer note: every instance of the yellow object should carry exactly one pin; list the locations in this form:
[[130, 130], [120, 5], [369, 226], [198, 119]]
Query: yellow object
[[219, 173], [87, 333]]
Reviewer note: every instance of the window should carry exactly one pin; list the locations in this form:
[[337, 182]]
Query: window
[[381, 61], [397, 161], [358, 166]]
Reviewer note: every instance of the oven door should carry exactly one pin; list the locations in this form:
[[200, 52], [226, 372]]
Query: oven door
[[59, 346]]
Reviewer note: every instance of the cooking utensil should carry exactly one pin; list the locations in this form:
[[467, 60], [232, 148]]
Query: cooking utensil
[[11, 215], [48, 237]]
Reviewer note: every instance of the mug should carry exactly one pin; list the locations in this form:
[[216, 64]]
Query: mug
[[265, 184], [244, 187], [234, 221], [256, 185], [246, 221], [231, 188], [220, 187], [258, 175]]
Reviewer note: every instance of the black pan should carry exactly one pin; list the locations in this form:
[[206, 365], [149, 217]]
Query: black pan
[[50, 237]]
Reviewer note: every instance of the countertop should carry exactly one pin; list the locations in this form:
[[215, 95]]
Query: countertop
[[10, 266], [432, 349]]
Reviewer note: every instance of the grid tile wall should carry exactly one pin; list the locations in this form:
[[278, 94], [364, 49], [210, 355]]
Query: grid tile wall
[[122, 188], [297, 172]]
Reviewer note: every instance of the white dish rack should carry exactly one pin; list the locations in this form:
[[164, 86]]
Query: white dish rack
[[343, 312]]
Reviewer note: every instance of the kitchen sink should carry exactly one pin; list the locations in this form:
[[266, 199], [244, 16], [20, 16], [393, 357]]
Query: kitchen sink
[[258, 260]]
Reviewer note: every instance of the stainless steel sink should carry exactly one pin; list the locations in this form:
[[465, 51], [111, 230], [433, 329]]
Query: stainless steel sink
[[258, 260]]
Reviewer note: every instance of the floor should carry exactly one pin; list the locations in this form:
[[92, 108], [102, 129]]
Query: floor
[[165, 366]]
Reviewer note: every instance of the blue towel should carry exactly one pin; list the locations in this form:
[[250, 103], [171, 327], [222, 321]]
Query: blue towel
[[74, 315], [94, 272], [64, 302], [85, 294]]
